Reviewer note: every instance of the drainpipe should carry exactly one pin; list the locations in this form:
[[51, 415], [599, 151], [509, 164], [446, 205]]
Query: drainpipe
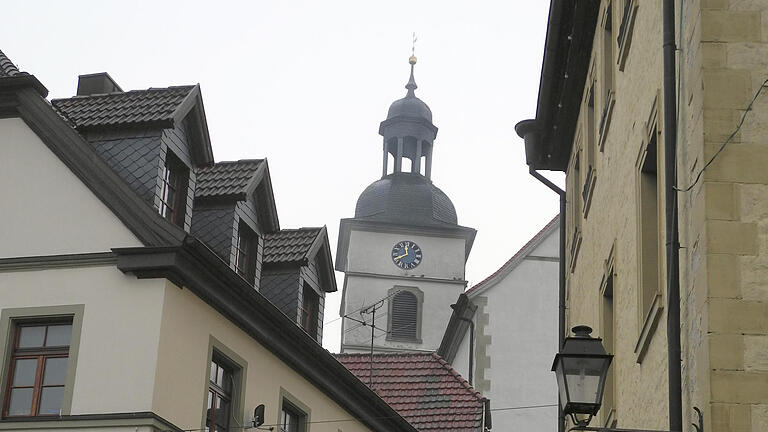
[[561, 290], [674, 357]]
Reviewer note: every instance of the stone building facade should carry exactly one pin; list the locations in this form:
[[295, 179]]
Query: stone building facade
[[600, 121]]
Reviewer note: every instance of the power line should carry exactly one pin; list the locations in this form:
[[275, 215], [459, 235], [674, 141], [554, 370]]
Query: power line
[[454, 412], [728, 140]]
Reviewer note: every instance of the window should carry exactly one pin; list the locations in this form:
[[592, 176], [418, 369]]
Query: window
[[405, 307], [628, 10], [310, 306], [574, 193], [245, 252], [220, 390], [608, 336], [649, 232], [591, 151], [291, 419], [37, 372], [607, 76], [173, 190]]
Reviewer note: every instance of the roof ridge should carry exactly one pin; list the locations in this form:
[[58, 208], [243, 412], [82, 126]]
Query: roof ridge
[[515, 256], [121, 93]]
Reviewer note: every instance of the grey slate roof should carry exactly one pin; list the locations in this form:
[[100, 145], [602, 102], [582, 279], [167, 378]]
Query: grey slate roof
[[289, 245], [226, 178], [123, 108], [7, 68], [406, 198]]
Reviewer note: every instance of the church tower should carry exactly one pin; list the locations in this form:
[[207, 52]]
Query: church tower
[[404, 253]]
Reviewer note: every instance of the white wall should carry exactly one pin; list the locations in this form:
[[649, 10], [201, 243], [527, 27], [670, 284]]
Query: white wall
[[522, 326], [436, 311], [46, 209], [371, 252], [115, 368]]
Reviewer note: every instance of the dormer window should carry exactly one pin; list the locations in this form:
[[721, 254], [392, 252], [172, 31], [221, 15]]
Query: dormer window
[[310, 305], [173, 189], [245, 252]]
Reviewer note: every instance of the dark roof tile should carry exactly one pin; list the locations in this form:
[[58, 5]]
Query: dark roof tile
[[7, 68], [289, 245], [226, 178], [423, 388], [123, 108]]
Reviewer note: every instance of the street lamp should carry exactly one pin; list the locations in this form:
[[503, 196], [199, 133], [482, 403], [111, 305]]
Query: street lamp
[[581, 368]]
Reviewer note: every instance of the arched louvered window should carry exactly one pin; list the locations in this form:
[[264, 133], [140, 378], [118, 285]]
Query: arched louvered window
[[404, 318]]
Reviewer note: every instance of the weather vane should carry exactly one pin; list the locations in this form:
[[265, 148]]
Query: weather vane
[[412, 60]]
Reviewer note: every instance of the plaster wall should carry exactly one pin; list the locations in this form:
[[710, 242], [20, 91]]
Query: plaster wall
[[115, 366], [609, 226], [516, 330], [47, 210], [361, 291], [187, 328], [371, 252]]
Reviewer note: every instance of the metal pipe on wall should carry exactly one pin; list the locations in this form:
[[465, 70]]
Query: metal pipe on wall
[[674, 357]]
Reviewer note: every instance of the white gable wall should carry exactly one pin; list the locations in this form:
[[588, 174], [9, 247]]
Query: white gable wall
[[46, 209], [517, 340]]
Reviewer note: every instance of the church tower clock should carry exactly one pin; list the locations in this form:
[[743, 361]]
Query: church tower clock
[[404, 253]]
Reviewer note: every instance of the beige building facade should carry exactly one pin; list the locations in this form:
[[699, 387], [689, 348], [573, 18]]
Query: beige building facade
[[115, 315], [600, 120]]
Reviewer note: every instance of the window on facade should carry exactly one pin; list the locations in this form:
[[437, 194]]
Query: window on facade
[[607, 59], [245, 252], [404, 320], [292, 419], [173, 190], [37, 369], [590, 150], [220, 388], [608, 342], [574, 202], [310, 306], [649, 226]]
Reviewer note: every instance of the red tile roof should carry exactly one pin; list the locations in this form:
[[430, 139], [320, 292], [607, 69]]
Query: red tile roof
[[423, 388]]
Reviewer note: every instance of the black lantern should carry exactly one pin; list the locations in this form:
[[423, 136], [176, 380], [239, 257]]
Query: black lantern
[[581, 368]]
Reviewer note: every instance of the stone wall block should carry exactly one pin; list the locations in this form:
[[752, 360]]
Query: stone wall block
[[726, 88], [730, 26], [723, 276], [759, 416], [741, 388], [726, 351], [713, 54], [739, 317], [725, 237], [730, 418], [721, 202], [719, 124], [756, 354], [741, 163]]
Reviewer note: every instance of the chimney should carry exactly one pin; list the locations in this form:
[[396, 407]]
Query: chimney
[[96, 83]]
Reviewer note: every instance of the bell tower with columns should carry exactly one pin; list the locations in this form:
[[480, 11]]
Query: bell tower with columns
[[404, 253]]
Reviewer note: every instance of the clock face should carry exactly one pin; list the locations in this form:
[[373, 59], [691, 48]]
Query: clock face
[[406, 255]]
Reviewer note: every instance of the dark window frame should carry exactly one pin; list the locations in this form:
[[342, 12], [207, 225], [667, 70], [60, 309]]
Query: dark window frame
[[41, 354], [298, 418], [174, 183], [309, 310], [220, 387], [246, 243]]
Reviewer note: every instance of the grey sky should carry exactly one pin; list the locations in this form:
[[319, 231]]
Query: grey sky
[[306, 83]]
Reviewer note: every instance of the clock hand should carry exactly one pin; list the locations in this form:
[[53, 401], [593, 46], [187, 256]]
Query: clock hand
[[401, 256], [406, 248]]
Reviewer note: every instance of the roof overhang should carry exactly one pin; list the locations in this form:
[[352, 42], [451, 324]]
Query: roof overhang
[[567, 52], [347, 225], [193, 266]]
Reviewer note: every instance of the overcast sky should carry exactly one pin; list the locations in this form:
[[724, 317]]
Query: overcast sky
[[306, 84]]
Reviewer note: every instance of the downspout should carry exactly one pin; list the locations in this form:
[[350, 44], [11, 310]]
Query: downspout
[[561, 290], [674, 357]]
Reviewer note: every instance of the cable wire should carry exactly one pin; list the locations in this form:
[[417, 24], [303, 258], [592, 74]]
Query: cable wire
[[730, 137]]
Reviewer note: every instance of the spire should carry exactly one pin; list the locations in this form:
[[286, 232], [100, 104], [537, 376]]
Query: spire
[[411, 86]]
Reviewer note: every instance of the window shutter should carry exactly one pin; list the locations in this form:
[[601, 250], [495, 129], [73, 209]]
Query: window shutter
[[404, 313]]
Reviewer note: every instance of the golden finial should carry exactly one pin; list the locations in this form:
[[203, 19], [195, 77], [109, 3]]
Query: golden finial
[[412, 60]]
